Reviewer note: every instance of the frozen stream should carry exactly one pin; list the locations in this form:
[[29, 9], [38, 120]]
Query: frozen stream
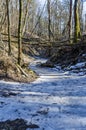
[[55, 101]]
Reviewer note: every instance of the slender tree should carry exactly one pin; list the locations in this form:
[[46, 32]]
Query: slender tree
[[9, 32], [77, 32], [70, 19], [85, 23], [26, 17], [49, 19], [20, 33]]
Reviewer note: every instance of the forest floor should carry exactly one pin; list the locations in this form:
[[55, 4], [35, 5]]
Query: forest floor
[[68, 55], [55, 101], [10, 70]]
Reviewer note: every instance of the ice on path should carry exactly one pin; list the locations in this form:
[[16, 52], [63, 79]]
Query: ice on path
[[55, 101]]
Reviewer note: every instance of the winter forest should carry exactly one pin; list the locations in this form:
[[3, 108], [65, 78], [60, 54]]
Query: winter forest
[[42, 64]]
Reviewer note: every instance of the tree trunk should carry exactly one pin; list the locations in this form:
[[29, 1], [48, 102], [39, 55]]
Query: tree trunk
[[70, 18], [26, 18], [20, 33], [49, 20], [9, 33], [77, 32], [85, 23]]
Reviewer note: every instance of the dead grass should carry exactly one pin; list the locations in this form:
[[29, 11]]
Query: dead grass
[[9, 69]]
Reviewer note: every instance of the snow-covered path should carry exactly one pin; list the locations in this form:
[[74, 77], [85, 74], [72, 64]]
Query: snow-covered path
[[55, 101]]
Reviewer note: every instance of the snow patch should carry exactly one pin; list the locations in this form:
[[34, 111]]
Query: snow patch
[[55, 101]]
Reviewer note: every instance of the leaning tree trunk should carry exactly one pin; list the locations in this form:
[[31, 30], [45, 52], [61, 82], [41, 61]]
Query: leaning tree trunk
[[20, 33], [26, 18], [9, 33], [77, 32]]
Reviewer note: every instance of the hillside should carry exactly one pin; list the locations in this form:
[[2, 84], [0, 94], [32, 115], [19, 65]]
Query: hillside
[[68, 55], [10, 70]]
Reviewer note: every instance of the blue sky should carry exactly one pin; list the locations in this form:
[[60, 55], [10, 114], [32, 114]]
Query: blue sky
[[42, 2], [85, 7]]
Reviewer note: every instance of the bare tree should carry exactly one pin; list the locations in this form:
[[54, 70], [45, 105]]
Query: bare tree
[[9, 33], [77, 32], [70, 18], [20, 33], [49, 19]]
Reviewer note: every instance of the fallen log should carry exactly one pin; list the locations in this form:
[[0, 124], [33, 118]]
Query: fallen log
[[23, 72]]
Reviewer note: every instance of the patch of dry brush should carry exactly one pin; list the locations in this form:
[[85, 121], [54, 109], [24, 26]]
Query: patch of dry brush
[[10, 70]]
